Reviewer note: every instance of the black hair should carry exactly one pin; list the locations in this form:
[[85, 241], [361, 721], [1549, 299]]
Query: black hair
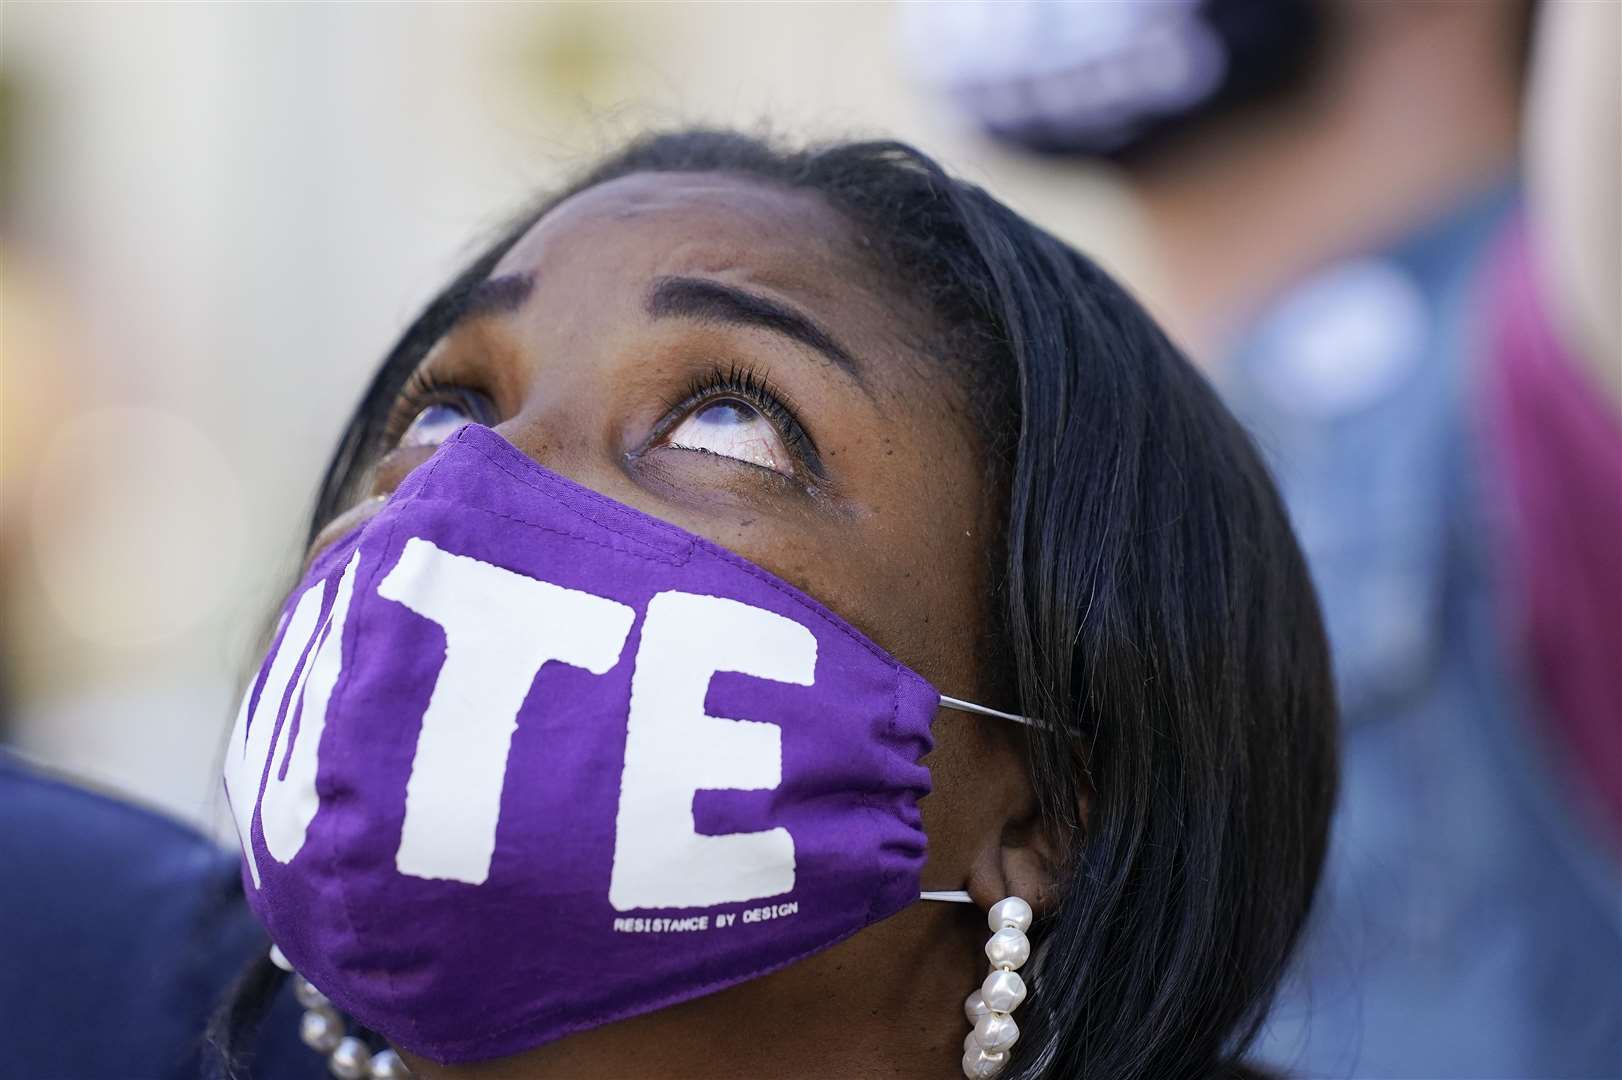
[[1155, 610]]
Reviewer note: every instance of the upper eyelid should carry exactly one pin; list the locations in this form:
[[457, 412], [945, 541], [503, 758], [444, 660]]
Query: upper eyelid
[[422, 389]]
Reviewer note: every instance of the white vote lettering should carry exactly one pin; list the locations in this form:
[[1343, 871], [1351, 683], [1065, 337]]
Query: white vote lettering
[[288, 804], [246, 757], [673, 748], [500, 628]]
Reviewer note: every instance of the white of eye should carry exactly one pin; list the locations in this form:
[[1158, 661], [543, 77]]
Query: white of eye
[[734, 429], [434, 424]]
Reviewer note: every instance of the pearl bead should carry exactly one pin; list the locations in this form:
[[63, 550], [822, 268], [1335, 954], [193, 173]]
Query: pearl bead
[[969, 1045], [279, 958], [1003, 991], [306, 993], [975, 1007], [386, 1065], [979, 1065], [352, 1060], [1011, 911], [1008, 948], [996, 1031], [321, 1030]]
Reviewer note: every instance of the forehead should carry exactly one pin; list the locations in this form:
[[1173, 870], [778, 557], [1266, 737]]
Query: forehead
[[607, 244], [712, 223]]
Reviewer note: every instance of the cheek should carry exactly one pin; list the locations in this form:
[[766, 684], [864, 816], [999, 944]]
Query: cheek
[[927, 594], [973, 774], [924, 590]]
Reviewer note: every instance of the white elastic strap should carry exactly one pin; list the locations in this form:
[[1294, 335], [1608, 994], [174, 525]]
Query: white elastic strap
[[948, 896], [970, 707]]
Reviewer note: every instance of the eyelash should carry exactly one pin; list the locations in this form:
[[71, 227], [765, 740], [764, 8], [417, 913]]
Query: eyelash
[[755, 390], [423, 389]]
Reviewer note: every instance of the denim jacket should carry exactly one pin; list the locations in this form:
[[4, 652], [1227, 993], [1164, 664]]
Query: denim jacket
[[1466, 925]]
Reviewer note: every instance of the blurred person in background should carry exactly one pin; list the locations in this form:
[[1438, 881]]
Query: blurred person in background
[[120, 929], [1411, 297]]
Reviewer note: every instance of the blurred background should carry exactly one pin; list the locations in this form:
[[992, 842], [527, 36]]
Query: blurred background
[[216, 217], [1391, 233]]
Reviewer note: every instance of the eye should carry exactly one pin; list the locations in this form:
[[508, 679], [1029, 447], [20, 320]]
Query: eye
[[430, 410], [729, 427], [435, 423], [736, 413]]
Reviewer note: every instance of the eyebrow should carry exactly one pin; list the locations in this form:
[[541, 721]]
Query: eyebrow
[[712, 301], [492, 296]]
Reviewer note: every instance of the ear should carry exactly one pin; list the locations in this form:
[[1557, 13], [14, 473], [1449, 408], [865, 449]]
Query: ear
[[1028, 858]]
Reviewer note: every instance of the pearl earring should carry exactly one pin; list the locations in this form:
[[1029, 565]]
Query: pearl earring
[[985, 1049]]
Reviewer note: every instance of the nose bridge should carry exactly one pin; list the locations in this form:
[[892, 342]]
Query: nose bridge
[[556, 437], [568, 387], [563, 424]]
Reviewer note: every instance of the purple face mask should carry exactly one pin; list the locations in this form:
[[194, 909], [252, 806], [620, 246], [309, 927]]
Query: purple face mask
[[527, 761]]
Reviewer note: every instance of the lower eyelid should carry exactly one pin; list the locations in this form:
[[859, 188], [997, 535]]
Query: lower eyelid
[[657, 455]]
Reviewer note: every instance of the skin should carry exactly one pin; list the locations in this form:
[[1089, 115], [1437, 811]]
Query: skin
[[894, 536]]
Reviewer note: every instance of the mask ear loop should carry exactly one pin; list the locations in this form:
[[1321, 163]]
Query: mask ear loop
[[970, 707], [949, 896]]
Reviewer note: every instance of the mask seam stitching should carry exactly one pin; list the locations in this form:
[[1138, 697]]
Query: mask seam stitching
[[671, 560], [332, 860], [542, 481], [887, 878]]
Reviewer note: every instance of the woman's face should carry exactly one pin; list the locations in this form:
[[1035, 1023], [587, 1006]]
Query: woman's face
[[715, 352]]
